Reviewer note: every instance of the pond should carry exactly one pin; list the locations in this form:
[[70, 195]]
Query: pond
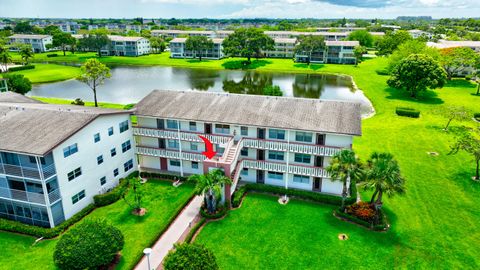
[[131, 84]]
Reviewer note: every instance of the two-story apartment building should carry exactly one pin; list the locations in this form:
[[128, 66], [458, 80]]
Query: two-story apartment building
[[38, 42], [55, 158], [278, 141], [127, 46], [178, 49], [335, 52], [283, 48]]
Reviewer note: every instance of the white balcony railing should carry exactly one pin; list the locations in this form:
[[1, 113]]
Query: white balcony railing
[[27, 172], [31, 197], [184, 136], [313, 149], [156, 152], [282, 167]]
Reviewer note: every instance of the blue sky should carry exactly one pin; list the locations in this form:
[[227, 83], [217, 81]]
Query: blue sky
[[238, 8]]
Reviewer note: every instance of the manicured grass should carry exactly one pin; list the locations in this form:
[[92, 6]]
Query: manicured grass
[[263, 234], [162, 201], [45, 73], [434, 224], [87, 103]]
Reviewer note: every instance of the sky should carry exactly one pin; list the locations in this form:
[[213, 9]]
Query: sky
[[238, 8]]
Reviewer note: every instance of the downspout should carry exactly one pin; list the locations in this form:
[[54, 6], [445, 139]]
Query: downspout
[[180, 148]]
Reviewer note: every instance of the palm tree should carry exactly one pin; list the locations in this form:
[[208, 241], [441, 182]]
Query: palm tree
[[209, 185], [345, 167], [383, 176], [5, 56], [26, 53]]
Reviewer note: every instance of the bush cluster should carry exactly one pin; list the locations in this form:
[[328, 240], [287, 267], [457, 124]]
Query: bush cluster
[[476, 116], [408, 112], [190, 256], [21, 68], [221, 212], [308, 195], [15, 226], [78, 101], [379, 227], [362, 210], [162, 176], [383, 72], [52, 55], [113, 195], [89, 245]]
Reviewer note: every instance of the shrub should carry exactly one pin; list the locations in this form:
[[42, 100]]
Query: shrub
[[383, 72], [15, 226], [89, 245], [468, 77], [221, 212], [78, 101], [18, 83], [379, 227], [52, 55], [190, 256], [476, 116], [21, 68], [308, 195], [163, 176], [408, 112], [362, 210], [113, 195]]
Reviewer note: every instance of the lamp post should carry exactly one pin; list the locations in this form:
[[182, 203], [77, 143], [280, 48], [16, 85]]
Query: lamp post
[[147, 253]]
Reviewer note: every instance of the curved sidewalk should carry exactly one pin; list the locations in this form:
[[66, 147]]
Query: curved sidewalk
[[172, 235]]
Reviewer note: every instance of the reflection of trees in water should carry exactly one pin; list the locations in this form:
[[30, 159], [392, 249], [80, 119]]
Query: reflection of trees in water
[[201, 79], [252, 83], [312, 86]]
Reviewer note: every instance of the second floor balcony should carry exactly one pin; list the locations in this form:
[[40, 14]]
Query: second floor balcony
[[28, 172], [31, 197]]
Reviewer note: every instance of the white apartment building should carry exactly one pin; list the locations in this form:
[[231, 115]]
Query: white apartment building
[[446, 44], [178, 49], [55, 158], [127, 46], [38, 42], [415, 33], [283, 48], [181, 33], [271, 140], [336, 52]]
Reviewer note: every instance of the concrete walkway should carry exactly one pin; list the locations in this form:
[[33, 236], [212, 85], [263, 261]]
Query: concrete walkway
[[172, 235]]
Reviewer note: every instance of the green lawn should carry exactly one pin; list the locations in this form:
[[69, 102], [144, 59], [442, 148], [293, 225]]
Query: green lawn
[[161, 200], [434, 224], [45, 73], [87, 103]]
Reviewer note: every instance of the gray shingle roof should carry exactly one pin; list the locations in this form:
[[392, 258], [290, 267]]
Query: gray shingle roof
[[16, 98], [279, 112], [37, 128]]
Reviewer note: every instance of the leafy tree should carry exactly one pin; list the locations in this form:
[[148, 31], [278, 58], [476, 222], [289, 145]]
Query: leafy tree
[[158, 44], [94, 74], [272, 90], [190, 257], [408, 48], [345, 167], [132, 33], [285, 26], [358, 52], [96, 41], [89, 245], [416, 73], [363, 37], [23, 27], [470, 143], [5, 56], [310, 44], [454, 112], [146, 33], [247, 42], [456, 59], [391, 41], [209, 185], [26, 53], [51, 29], [18, 83], [63, 40], [198, 44], [137, 190], [382, 174]]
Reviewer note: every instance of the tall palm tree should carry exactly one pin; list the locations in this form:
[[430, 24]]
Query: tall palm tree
[[345, 167], [209, 185], [26, 53], [383, 176], [5, 56]]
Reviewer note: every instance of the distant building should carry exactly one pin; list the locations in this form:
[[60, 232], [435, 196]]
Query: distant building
[[39, 42], [340, 29], [55, 158], [415, 33], [283, 48], [178, 49], [336, 52], [444, 44]]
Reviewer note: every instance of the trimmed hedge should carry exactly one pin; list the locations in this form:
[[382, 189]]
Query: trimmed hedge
[[162, 176], [221, 212], [408, 112], [476, 116], [194, 230], [52, 55], [382, 72], [113, 195], [379, 227], [308, 195], [21, 68], [15, 226]]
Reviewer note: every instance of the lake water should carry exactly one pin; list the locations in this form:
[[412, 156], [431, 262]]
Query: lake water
[[131, 84]]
